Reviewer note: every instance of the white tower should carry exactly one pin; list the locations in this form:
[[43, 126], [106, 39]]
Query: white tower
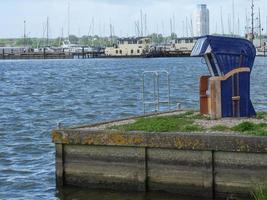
[[202, 22]]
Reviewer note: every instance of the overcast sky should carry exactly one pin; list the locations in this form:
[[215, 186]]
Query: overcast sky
[[121, 13]]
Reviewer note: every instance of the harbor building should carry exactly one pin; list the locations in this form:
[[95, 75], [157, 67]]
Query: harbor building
[[201, 18], [184, 44], [129, 47]]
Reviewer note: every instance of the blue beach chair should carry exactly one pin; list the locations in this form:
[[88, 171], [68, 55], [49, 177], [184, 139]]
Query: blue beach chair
[[226, 91]]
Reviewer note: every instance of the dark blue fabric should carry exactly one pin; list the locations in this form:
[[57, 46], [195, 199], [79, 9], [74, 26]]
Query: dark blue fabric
[[226, 98], [230, 53]]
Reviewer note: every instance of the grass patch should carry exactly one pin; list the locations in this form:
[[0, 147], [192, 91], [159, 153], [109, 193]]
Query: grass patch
[[260, 194], [261, 115], [251, 128], [220, 128], [183, 122]]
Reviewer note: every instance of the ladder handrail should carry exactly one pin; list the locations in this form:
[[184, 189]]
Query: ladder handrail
[[156, 88]]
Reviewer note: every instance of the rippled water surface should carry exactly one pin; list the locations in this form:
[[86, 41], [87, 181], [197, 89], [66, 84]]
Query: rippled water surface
[[35, 95]]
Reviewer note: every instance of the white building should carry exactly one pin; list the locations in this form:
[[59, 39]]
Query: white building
[[128, 47], [184, 44], [201, 18]]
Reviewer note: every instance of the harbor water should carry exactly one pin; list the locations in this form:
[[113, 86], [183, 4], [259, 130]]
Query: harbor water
[[37, 94]]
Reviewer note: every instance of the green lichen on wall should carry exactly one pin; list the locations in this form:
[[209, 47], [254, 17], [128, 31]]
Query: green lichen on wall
[[193, 143], [56, 136]]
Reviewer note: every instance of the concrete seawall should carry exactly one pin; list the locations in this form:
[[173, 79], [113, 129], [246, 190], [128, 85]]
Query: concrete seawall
[[208, 165]]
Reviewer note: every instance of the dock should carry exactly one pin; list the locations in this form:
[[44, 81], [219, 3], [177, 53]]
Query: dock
[[11, 56], [209, 165], [60, 54]]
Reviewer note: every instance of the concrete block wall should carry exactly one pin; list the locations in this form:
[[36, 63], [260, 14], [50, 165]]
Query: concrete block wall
[[208, 165]]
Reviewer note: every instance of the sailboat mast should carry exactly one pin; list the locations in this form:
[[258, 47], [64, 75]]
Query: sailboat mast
[[183, 31], [24, 34], [186, 26], [47, 31], [171, 26], [233, 7], [174, 23], [260, 25], [62, 36], [222, 28], [68, 20], [238, 26], [146, 25], [252, 19], [141, 18], [192, 30], [229, 24]]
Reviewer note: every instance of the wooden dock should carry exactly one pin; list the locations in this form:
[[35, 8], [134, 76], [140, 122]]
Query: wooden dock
[[59, 54], [12, 56]]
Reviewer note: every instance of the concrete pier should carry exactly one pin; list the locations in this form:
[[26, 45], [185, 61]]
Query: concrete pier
[[211, 165]]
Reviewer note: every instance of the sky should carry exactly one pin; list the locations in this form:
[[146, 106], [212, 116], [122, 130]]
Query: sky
[[122, 14]]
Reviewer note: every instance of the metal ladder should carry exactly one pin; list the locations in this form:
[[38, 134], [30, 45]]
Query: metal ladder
[[157, 99]]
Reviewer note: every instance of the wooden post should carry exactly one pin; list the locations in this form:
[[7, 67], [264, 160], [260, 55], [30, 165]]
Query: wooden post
[[44, 53], [204, 98], [59, 165], [83, 52]]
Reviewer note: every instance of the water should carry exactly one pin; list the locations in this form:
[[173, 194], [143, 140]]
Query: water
[[35, 95]]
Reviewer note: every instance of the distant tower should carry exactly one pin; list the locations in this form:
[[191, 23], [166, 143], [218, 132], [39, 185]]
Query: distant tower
[[202, 22]]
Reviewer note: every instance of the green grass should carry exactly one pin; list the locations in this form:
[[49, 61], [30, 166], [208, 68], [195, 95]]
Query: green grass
[[185, 122], [182, 122], [261, 115], [260, 194], [251, 128], [220, 128]]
